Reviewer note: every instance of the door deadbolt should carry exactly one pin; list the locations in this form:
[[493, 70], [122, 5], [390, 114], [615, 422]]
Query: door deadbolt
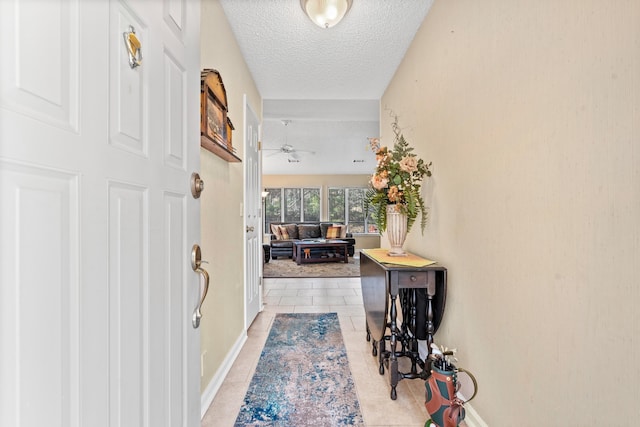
[[197, 185]]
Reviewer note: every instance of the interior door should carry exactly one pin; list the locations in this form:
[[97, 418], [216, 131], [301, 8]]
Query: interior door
[[97, 219], [253, 241]]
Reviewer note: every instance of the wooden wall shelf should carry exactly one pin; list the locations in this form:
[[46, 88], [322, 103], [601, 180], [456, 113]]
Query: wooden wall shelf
[[218, 149]]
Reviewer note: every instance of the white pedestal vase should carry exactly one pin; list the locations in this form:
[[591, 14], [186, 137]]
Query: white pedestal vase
[[396, 230]]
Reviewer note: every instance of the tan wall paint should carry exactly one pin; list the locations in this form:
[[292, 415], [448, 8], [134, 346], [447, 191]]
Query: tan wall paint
[[530, 112], [367, 241], [221, 219]]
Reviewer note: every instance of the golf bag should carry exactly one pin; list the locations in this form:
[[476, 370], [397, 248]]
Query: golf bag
[[445, 409]]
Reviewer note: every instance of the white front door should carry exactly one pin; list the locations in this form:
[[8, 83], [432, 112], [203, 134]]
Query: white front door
[[96, 216], [253, 241]]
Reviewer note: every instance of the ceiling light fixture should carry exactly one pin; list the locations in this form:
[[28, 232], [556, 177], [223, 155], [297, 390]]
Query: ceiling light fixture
[[326, 13]]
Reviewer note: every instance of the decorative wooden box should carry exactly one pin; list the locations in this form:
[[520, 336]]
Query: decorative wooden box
[[215, 127]]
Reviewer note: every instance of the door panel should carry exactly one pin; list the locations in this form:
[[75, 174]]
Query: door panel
[[41, 79], [170, 314], [129, 104], [128, 311], [96, 215], [175, 133], [39, 312]]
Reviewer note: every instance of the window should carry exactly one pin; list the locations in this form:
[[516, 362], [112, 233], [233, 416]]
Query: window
[[355, 209], [311, 204], [336, 205], [272, 207], [291, 205], [346, 205]]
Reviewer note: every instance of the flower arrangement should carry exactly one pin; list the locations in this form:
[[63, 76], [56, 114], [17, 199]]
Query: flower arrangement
[[396, 181]]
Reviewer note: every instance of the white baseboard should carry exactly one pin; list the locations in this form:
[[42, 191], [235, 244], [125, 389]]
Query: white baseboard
[[216, 382], [472, 418]]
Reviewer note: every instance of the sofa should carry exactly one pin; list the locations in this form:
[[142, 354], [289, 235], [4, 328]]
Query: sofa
[[283, 234]]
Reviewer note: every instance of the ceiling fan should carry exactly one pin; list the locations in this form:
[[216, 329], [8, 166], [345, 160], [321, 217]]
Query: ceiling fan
[[287, 149]]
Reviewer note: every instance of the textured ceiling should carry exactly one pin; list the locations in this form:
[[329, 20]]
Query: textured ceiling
[[327, 82]]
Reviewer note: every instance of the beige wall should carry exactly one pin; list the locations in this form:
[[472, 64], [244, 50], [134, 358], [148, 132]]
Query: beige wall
[[222, 225], [367, 241], [530, 112]]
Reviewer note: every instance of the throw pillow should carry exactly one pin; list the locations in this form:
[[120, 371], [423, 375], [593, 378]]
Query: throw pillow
[[284, 233], [275, 230], [292, 229], [343, 230], [333, 232], [308, 231], [323, 229]]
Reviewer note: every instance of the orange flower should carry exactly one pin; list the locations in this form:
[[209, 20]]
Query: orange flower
[[394, 194], [378, 182], [381, 154], [409, 164]]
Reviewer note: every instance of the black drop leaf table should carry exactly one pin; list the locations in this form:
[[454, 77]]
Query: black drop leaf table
[[419, 291]]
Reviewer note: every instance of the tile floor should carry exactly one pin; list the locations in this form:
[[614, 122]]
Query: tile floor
[[319, 295]]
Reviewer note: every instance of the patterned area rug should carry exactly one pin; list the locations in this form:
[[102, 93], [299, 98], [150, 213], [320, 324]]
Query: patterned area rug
[[285, 267], [303, 376]]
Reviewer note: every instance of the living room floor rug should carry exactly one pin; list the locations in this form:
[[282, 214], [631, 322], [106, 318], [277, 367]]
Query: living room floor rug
[[285, 267], [303, 376]]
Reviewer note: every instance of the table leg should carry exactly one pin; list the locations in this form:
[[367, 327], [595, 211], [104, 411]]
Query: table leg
[[393, 360], [431, 292], [382, 353], [413, 343]]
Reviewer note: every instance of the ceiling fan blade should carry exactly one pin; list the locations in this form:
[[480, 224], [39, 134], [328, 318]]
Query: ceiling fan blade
[[294, 155]]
